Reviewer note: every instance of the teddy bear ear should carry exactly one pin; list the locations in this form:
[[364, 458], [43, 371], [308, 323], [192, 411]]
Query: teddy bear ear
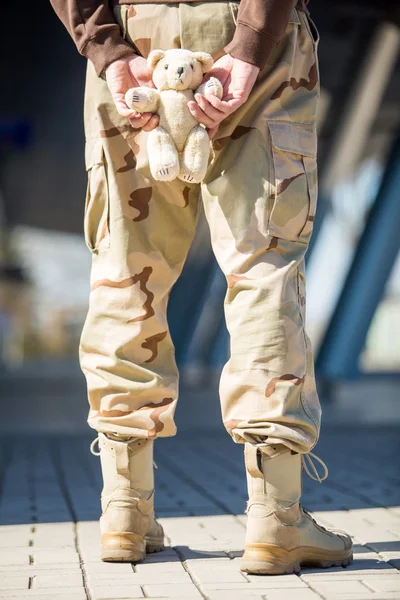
[[154, 57], [206, 60]]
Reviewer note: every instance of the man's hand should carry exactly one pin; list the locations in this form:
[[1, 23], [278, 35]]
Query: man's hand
[[127, 73], [237, 78]]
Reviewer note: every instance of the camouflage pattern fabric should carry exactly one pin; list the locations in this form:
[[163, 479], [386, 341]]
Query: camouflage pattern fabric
[[259, 197]]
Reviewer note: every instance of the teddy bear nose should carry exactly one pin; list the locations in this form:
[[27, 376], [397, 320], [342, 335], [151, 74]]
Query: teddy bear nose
[[180, 70]]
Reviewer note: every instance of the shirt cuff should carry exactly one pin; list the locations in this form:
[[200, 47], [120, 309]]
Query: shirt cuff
[[105, 48], [251, 46]]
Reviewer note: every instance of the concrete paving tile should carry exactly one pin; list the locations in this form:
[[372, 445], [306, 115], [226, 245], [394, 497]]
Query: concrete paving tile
[[108, 568], [100, 592], [203, 576], [216, 564], [389, 554], [14, 583], [358, 550], [76, 596], [338, 588], [299, 595], [232, 595], [56, 556], [261, 586], [359, 566], [25, 528], [155, 559], [354, 577], [141, 578], [346, 575], [172, 591], [50, 593], [62, 569], [187, 553], [53, 581], [281, 581], [161, 567], [15, 557], [395, 562], [389, 584], [362, 596], [235, 553], [378, 516], [11, 540]]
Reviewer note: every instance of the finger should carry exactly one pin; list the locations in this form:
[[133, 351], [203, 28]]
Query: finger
[[220, 105], [152, 123], [225, 106], [124, 111], [122, 107], [208, 108], [140, 120], [200, 116]]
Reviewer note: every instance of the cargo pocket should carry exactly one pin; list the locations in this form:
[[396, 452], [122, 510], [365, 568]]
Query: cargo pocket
[[312, 29], [96, 221], [293, 181]]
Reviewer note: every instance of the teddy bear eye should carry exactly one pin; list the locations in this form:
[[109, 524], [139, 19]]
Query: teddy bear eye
[[165, 66]]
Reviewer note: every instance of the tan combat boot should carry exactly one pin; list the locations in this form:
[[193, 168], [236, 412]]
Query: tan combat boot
[[282, 536], [128, 525]]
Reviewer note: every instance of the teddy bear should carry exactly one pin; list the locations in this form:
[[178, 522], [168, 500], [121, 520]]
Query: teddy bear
[[179, 146]]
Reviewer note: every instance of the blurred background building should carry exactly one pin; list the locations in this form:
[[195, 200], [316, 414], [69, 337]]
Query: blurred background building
[[353, 264]]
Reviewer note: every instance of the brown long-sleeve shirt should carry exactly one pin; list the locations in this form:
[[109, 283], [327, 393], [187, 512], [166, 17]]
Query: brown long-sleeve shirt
[[91, 24]]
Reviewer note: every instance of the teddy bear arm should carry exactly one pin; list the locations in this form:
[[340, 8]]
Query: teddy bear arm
[[153, 100], [212, 87]]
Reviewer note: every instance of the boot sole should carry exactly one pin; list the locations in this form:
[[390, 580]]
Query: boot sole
[[154, 543], [123, 547], [267, 559], [129, 547]]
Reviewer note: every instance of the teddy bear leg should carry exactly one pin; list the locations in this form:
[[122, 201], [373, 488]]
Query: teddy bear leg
[[195, 155], [163, 156]]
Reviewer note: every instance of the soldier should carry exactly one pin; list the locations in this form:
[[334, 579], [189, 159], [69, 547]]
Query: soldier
[[259, 197]]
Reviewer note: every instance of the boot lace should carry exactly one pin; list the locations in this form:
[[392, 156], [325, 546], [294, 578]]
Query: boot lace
[[93, 446], [308, 458], [93, 450], [307, 461], [320, 527]]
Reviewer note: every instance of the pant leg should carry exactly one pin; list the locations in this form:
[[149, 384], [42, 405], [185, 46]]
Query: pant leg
[[260, 199], [139, 232]]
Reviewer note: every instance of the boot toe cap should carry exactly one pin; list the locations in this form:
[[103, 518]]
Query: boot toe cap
[[348, 543]]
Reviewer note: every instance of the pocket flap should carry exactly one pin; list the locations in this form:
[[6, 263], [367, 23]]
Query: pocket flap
[[94, 154], [289, 137]]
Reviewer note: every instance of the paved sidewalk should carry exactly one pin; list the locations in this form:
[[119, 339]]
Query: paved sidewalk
[[49, 506]]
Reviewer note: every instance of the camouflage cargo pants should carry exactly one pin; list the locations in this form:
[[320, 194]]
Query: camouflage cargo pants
[[259, 197]]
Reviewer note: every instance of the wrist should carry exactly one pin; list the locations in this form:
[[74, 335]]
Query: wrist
[[248, 66], [125, 59]]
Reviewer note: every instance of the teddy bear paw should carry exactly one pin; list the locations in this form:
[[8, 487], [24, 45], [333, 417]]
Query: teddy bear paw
[[213, 87], [191, 176], [165, 172], [136, 99]]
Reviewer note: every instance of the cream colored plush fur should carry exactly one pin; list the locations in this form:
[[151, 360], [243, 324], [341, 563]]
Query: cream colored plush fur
[[179, 146]]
